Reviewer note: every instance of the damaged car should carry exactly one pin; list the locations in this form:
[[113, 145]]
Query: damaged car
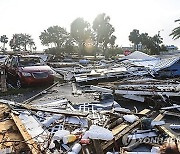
[[27, 70]]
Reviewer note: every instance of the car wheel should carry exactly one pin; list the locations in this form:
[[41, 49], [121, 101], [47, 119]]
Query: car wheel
[[18, 84]]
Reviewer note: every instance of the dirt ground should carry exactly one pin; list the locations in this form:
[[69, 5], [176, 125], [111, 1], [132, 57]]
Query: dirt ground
[[20, 95]]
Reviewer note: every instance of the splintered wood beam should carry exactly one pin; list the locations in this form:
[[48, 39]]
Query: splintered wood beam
[[144, 112], [163, 128], [33, 146], [119, 128], [159, 117], [121, 134], [166, 131], [122, 129]]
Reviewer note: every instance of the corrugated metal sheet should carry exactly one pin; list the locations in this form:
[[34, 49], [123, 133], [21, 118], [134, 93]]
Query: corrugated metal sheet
[[164, 63]]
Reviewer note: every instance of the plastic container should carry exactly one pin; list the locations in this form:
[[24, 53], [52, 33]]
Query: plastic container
[[76, 148], [51, 120], [60, 134], [69, 138]]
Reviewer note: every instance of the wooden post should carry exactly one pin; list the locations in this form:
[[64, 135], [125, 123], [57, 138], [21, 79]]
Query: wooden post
[[3, 81]]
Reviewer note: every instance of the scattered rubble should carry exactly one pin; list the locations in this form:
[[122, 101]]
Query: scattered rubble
[[86, 113], [98, 126]]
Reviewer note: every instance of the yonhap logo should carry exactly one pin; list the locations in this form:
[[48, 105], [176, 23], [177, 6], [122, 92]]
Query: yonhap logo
[[128, 140]]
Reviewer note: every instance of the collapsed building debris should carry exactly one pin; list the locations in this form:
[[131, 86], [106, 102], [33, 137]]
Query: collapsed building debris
[[85, 114], [90, 126]]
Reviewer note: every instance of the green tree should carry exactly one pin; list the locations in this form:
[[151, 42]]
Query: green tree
[[163, 48], [157, 40], [112, 41], [176, 31], [144, 39], [149, 44], [134, 37], [82, 33], [103, 32], [4, 40], [54, 36], [114, 51], [20, 42]]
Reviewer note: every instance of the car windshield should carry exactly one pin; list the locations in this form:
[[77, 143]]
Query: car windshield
[[30, 61]]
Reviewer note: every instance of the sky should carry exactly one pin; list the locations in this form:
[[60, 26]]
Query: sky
[[34, 16]]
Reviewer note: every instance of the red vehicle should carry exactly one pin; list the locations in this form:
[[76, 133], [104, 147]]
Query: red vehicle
[[27, 70]]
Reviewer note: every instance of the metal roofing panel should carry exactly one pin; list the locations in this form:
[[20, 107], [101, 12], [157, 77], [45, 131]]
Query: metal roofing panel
[[164, 63]]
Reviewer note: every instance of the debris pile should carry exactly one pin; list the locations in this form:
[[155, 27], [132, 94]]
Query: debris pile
[[100, 108], [100, 126]]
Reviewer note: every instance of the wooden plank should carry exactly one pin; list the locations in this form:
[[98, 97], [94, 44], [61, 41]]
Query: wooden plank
[[119, 135], [163, 128], [122, 132], [144, 112], [9, 132], [33, 146], [119, 128], [126, 130], [159, 117]]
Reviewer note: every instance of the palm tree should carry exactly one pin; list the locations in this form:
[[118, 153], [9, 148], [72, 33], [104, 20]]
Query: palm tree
[[103, 31], [176, 31], [134, 37], [81, 32], [20, 42]]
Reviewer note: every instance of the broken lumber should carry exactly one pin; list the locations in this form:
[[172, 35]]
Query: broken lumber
[[56, 111], [163, 128], [33, 146], [123, 129]]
